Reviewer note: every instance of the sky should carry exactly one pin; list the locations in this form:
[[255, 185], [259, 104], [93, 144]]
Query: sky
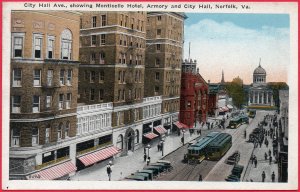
[[236, 43]]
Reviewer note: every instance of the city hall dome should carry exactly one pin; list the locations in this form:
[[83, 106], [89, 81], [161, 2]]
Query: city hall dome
[[259, 71]]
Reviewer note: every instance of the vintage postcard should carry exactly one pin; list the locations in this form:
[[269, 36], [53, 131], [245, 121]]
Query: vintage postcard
[[150, 95]]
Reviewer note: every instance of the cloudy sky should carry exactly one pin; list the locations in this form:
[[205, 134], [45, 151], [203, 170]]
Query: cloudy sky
[[236, 42]]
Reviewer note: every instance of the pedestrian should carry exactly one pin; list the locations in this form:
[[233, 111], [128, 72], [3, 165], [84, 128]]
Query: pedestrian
[[269, 152], [260, 143], [263, 176], [255, 163], [252, 159], [245, 134], [273, 177], [266, 156], [148, 160], [200, 131], [270, 160], [144, 150], [200, 177], [145, 157], [212, 125], [108, 170]]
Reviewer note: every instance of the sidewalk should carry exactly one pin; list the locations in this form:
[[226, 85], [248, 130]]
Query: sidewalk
[[255, 174], [134, 161]]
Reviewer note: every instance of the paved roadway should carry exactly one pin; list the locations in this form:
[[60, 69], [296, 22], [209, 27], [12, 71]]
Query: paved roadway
[[213, 170]]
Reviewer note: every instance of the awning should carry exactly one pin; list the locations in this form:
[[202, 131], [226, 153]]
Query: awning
[[180, 125], [230, 106], [161, 130], [102, 154], [150, 135], [54, 172], [221, 110], [225, 108]]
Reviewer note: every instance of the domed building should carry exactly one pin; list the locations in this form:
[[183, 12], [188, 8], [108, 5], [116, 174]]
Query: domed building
[[260, 95]]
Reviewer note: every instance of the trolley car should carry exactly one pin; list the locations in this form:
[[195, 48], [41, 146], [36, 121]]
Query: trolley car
[[238, 121], [217, 148]]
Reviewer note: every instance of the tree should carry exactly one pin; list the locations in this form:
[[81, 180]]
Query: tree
[[236, 92]]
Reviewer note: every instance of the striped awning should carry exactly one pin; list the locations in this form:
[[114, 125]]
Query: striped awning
[[54, 172], [102, 154], [160, 129], [225, 108], [150, 135], [180, 125], [230, 106]]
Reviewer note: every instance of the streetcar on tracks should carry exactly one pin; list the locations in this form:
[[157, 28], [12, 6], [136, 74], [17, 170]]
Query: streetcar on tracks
[[197, 152], [218, 147], [238, 121]]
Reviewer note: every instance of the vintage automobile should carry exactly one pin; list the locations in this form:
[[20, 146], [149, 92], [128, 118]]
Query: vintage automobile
[[234, 158]]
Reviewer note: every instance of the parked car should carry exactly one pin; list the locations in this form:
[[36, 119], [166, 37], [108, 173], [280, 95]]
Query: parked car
[[135, 177], [234, 158], [149, 172]]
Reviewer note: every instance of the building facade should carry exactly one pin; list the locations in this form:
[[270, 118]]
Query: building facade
[[44, 81], [283, 136], [259, 94], [164, 47], [112, 55], [194, 95]]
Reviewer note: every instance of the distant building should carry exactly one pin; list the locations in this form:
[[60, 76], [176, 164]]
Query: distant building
[[260, 96], [194, 95]]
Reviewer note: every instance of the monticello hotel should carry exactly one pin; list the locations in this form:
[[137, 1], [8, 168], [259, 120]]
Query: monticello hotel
[[81, 89]]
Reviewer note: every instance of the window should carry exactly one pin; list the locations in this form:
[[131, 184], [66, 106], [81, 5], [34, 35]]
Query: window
[[94, 38], [188, 104], [102, 58], [101, 76], [18, 42], [103, 20], [158, 32], [94, 21], [62, 77], [158, 47], [69, 77], [92, 76], [124, 58], [121, 19], [120, 118], [50, 47], [120, 142], [81, 23], [48, 101], [130, 59], [37, 78], [102, 41], [68, 100], [36, 104], [15, 137], [92, 94], [50, 77], [35, 136], [61, 102], [159, 18], [157, 76], [157, 61], [93, 58], [101, 95], [67, 129], [59, 131], [17, 78], [47, 135], [156, 89], [136, 114], [37, 45], [16, 104], [66, 44], [132, 23], [137, 136]]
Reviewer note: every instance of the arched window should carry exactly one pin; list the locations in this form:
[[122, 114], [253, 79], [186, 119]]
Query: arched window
[[137, 134], [67, 129], [66, 44], [120, 142]]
